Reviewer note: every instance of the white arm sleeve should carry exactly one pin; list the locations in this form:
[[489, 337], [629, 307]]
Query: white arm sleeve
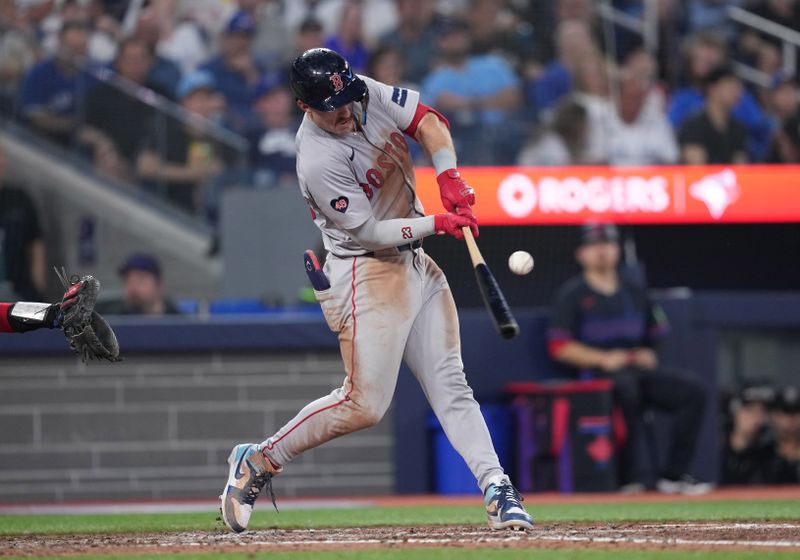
[[375, 235]]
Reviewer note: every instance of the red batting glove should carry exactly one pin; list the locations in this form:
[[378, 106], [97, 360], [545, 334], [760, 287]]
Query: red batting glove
[[454, 191], [466, 212], [452, 223]]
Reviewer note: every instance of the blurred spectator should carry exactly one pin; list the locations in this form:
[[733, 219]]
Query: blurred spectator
[[236, 72], [711, 15], [574, 10], [640, 133], [574, 42], [52, 88], [548, 17], [713, 136], [143, 290], [347, 40], [763, 446], [105, 32], [273, 153], [785, 419], [560, 142], [58, 15], [415, 37], [18, 52], [496, 29], [387, 64], [22, 251], [759, 50], [782, 12], [378, 17], [702, 53], [117, 122], [116, 8], [272, 43], [180, 157], [309, 36], [180, 39], [606, 326], [746, 449], [784, 101], [593, 75], [477, 93], [164, 74], [299, 11]]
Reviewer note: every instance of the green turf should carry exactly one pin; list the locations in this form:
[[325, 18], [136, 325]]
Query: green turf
[[266, 517], [472, 554]]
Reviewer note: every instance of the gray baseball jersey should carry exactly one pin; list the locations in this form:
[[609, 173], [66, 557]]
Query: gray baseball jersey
[[386, 306], [347, 179]]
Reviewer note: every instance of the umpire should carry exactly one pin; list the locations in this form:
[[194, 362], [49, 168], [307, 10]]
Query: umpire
[[606, 326]]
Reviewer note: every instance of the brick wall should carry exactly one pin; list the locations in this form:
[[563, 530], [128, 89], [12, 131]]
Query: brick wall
[[162, 427]]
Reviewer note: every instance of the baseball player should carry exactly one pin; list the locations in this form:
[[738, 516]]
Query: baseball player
[[384, 297], [605, 325]]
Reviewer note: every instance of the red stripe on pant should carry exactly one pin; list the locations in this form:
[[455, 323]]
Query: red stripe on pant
[[351, 376]]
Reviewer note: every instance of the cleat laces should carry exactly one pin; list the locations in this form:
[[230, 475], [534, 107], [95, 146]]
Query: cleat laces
[[510, 495], [259, 481]]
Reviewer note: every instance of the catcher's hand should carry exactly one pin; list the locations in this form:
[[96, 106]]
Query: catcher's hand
[[87, 332]]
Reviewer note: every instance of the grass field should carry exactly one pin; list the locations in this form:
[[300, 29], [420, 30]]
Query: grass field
[[424, 531], [266, 518]]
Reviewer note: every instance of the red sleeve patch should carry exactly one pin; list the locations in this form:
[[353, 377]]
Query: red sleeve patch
[[421, 111]]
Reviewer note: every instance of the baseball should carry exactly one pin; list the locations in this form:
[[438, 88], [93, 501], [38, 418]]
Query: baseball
[[520, 262]]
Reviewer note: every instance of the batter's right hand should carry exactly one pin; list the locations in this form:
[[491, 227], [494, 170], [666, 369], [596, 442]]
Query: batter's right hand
[[452, 223]]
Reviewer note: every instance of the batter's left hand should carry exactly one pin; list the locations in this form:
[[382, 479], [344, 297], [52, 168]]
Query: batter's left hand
[[452, 223], [454, 191]]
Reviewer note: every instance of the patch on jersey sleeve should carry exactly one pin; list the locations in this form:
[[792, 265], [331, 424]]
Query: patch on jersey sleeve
[[340, 204], [399, 96]]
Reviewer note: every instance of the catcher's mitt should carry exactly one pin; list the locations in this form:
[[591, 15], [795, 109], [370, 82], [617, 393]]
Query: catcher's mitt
[[87, 332]]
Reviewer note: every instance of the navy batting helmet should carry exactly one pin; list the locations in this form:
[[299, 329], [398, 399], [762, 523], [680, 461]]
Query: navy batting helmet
[[323, 79]]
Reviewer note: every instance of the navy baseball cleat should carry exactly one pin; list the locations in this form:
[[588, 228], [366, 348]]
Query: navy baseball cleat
[[249, 472], [504, 507]]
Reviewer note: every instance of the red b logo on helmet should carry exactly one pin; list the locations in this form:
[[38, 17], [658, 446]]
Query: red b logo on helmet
[[338, 84]]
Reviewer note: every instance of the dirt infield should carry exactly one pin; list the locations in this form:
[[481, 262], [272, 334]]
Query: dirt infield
[[697, 535]]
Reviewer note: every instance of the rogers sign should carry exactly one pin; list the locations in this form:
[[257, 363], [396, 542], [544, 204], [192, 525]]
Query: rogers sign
[[519, 195], [634, 195]]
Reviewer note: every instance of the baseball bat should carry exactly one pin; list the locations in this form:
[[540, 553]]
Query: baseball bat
[[492, 295]]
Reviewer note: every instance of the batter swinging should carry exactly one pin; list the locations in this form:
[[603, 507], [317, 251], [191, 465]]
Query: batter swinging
[[387, 301]]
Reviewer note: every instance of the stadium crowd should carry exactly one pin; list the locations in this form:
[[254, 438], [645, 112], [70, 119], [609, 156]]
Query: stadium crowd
[[523, 82]]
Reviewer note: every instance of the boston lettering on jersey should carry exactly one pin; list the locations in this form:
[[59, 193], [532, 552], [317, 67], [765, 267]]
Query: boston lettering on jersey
[[375, 177]]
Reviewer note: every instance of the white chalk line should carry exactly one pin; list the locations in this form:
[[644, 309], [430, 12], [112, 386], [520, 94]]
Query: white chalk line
[[532, 540], [594, 535]]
